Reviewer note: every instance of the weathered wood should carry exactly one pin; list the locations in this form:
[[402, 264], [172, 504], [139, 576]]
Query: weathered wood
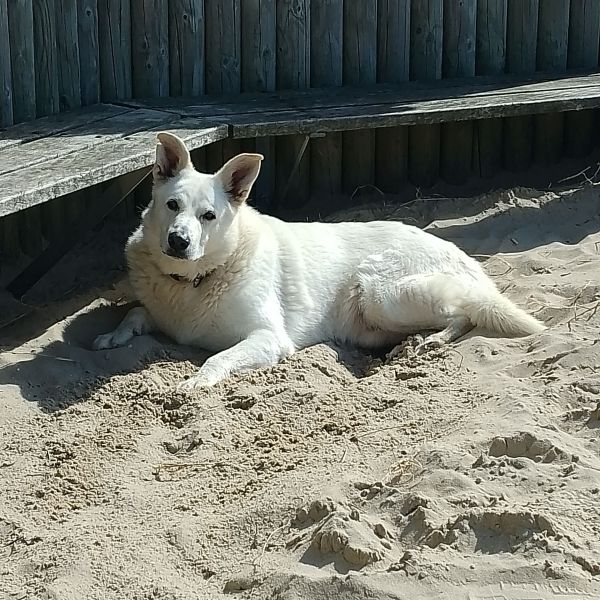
[[45, 52], [89, 61], [502, 104], [69, 92], [80, 138], [223, 46], [293, 72], [553, 31], [227, 104], [360, 68], [20, 21], [326, 70], [393, 56], [31, 234], [31, 237], [6, 108], [186, 47], [150, 48], [69, 79], [521, 36], [490, 55], [426, 35], [55, 124], [114, 34], [490, 59], [79, 170], [112, 196], [584, 35], [458, 60], [259, 50], [521, 50], [393, 35], [259, 45], [223, 62], [10, 247]]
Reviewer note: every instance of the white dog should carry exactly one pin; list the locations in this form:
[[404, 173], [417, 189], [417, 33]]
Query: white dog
[[212, 272]]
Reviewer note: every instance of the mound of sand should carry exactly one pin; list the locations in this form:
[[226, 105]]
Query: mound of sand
[[470, 472]]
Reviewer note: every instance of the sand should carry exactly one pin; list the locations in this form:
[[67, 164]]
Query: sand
[[469, 472]]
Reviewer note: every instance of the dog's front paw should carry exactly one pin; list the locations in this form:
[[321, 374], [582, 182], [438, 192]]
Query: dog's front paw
[[115, 339], [200, 380]]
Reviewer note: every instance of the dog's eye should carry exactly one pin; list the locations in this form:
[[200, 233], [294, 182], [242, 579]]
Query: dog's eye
[[209, 216], [173, 205]]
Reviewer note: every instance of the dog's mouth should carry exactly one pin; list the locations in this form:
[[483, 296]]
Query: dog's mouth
[[174, 254], [182, 255]]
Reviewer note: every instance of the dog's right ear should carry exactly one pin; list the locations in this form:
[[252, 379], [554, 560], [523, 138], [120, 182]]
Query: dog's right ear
[[171, 157]]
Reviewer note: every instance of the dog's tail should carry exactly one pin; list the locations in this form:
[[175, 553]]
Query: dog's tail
[[497, 313]]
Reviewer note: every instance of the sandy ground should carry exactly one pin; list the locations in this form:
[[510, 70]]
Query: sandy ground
[[471, 472]]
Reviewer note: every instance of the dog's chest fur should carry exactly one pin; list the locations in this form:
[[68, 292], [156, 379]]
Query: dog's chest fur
[[190, 315]]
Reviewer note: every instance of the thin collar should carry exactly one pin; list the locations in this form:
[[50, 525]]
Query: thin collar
[[195, 282]]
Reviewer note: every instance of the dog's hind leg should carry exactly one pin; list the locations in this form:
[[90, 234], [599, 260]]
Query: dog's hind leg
[[416, 303], [136, 322], [457, 327]]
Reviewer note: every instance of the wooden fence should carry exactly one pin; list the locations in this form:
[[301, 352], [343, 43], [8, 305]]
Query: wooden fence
[[59, 54]]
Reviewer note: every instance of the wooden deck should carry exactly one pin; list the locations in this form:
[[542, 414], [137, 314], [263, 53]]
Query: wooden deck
[[57, 155]]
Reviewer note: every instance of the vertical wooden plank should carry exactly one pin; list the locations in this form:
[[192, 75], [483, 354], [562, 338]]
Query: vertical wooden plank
[[490, 54], [223, 65], [20, 29], [326, 69], [66, 78], [521, 36], [223, 46], [186, 47], [89, 61], [45, 51], [360, 67], [114, 34], [150, 48], [115, 63], [553, 31], [521, 50], [6, 100], [69, 80], [10, 247], [259, 73], [293, 72], [458, 60], [36, 223], [490, 59], [426, 30], [259, 40], [584, 35], [31, 238], [393, 54]]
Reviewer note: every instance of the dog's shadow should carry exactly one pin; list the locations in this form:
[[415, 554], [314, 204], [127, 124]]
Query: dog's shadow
[[49, 373], [53, 374]]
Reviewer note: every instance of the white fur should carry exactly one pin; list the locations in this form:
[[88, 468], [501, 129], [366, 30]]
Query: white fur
[[272, 287]]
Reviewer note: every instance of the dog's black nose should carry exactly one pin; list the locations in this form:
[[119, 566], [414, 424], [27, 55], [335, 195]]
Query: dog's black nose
[[178, 242]]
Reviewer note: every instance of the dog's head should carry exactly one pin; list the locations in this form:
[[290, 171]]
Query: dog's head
[[191, 212]]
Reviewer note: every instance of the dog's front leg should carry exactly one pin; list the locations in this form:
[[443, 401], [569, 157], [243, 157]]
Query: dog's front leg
[[136, 322], [261, 348]]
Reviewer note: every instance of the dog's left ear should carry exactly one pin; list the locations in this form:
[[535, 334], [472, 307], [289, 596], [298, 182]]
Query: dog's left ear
[[171, 156], [238, 175]]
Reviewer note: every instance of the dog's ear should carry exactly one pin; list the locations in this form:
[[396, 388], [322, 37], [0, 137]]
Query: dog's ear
[[238, 175], [171, 156]]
